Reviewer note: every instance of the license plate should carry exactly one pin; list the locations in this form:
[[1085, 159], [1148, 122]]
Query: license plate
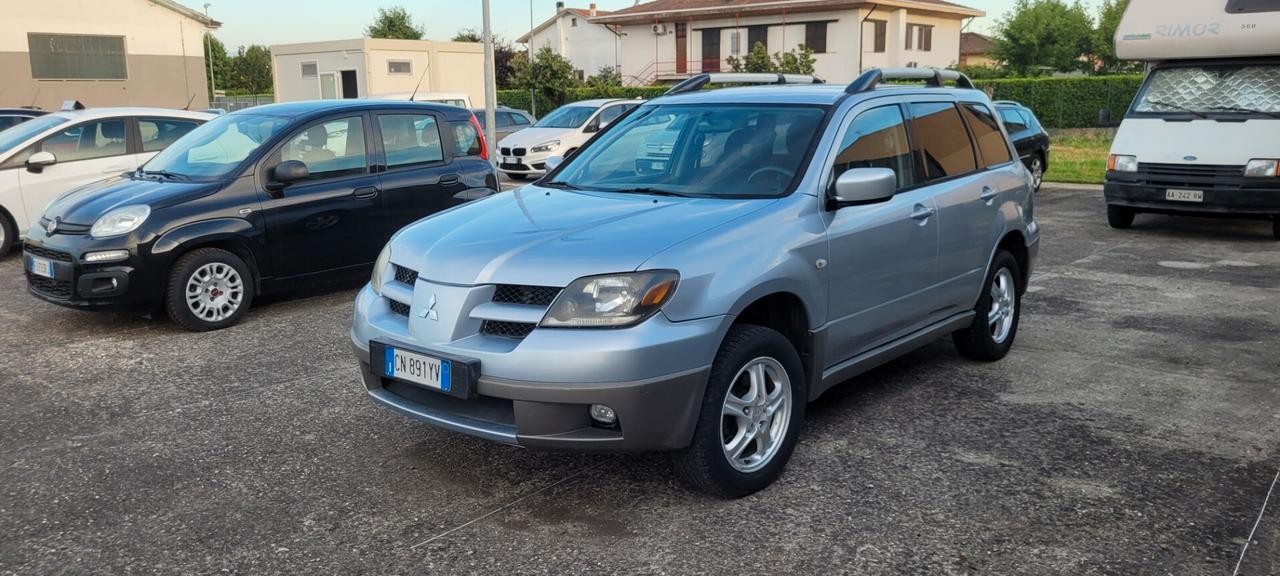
[[1184, 195], [417, 368], [510, 160], [40, 267]]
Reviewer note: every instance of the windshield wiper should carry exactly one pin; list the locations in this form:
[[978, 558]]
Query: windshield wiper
[[653, 191], [1246, 110], [558, 184], [167, 174], [1177, 107]]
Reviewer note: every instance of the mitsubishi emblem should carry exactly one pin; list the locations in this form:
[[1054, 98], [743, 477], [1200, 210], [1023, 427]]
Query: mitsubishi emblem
[[430, 310]]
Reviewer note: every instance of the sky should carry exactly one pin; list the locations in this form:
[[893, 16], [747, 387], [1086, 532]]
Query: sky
[[270, 22]]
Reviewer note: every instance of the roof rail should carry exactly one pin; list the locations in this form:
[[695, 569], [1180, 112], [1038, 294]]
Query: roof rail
[[933, 77], [696, 83]]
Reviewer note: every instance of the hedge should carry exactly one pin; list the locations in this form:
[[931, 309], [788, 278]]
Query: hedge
[[1059, 102]]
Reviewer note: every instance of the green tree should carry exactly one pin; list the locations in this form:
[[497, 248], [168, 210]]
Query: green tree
[[607, 77], [468, 35], [799, 61], [395, 23], [550, 75], [1045, 35], [503, 52], [251, 70], [216, 52], [1104, 42]]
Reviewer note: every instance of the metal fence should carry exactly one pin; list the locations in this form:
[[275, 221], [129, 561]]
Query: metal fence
[[233, 103]]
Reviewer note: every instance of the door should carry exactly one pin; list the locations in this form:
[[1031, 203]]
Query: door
[[711, 50], [682, 48], [883, 257], [328, 86], [350, 87], [418, 180], [85, 152], [330, 220]]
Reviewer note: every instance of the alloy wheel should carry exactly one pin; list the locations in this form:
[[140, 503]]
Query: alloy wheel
[[1003, 303], [755, 414], [214, 292], [1037, 172]]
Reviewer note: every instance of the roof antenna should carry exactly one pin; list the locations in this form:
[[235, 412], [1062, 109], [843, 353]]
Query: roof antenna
[[188, 106], [418, 85], [34, 98]]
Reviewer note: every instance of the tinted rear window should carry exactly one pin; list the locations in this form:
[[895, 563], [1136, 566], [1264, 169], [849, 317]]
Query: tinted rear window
[[466, 138], [986, 131], [940, 141]]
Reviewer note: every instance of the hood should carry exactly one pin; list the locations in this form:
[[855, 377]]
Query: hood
[[1208, 141], [86, 204], [530, 137], [545, 237]]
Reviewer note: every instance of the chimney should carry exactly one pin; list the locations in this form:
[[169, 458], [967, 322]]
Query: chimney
[[559, 6], [593, 9]]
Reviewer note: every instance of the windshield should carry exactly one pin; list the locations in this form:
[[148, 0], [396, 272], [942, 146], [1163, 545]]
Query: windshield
[[566, 117], [1225, 89], [217, 147], [713, 150], [16, 135]]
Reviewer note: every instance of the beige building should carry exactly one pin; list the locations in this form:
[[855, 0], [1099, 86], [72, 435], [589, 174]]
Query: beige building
[[370, 66], [103, 53], [977, 50], [570, 33], [666, 40]]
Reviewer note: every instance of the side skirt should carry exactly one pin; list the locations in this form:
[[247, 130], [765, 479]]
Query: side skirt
[[883, 353]]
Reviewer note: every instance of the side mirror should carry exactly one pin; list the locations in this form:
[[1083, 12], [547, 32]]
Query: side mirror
[[553, 162], [37, 162], [865, 186], [290, 171]]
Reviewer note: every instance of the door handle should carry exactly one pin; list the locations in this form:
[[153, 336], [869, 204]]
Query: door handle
[[366, 193], [987, 194], [921, 212], [449, 179]]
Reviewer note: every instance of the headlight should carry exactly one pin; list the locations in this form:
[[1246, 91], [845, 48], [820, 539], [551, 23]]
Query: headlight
[[1260, 167], [120, 221], [612, 301], [380, 269], [1122, 163], [545, 147]]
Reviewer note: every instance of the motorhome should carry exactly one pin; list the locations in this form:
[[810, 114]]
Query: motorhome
[[1200, 136]]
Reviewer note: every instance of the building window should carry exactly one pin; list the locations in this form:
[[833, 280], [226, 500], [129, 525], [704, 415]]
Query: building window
[[757, 35], [920, 37], [815, 37], [309, 70], [573, 22], [77, 57], [399, 67], [735, 42], [879, 33]]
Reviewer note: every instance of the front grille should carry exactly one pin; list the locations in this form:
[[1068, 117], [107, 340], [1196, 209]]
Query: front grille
[[405, 275], [399, 308], [60, 289], [517, 330], [66, 227], [505, 151], [510, 166], [46, 253], [531, 295], [518, 151], [1202, 175]]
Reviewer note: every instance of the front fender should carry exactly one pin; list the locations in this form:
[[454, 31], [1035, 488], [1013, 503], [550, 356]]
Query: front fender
[[216, 231]]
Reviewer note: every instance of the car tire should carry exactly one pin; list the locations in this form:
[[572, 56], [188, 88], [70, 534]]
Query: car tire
[[1275, 227], [750, 354], [1120, 217], [1036, 168], [8, 234], [209, 289], [516, 176], [999, 307]]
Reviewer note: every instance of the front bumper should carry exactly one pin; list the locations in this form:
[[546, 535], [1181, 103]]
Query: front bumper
[[1221, 199], [530, 164], [75, 283]]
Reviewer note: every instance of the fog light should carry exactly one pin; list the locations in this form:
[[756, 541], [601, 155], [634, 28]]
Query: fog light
[[603, 414], [106, 256]]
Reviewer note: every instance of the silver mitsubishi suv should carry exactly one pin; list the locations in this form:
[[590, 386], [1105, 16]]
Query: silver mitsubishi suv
[[793, 237]]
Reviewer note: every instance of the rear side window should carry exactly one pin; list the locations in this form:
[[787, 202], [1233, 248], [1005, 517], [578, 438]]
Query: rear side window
[[986, 132], [467, 139], [1013, 121], [159, 133], [940, 141], [410, 139], [877, 138]]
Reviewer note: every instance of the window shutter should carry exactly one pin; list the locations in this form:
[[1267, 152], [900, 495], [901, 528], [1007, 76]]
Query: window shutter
[[882, 33], [927, 33], [910, 31]]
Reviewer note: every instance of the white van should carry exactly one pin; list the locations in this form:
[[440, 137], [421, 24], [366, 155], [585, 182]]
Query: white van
[[1201, 135]]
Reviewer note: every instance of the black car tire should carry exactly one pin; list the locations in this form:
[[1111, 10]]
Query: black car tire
[[977, 342], [182, 276], [1120, 217], [8, 234], [704, 465]]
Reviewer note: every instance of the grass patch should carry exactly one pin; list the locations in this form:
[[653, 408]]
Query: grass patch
[[1079, 155]]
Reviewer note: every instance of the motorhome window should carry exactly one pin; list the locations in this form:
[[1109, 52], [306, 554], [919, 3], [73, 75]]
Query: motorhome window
[[1225, 89]]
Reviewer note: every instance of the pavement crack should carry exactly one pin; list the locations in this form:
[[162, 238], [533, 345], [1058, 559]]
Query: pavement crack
[[1245, 549]]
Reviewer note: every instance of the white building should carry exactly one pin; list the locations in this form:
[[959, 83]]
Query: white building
[[571, 34], [666, 40], [370, 66]]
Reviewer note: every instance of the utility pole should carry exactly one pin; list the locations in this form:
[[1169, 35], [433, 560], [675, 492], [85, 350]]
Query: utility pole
[[208, 44], [533, 96], [490, 90]]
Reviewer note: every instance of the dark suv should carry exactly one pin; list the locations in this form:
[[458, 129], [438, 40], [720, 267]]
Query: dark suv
[[1028, 136], [254, 201]]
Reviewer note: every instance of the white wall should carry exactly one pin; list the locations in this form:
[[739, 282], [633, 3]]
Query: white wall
[[588, 46], [149, 29], [441, 67]]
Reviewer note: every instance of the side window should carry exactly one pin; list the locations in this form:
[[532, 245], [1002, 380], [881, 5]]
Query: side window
[[1013, 121], [609, 114], [1029, 119], [20, 159], [503, 119], [8, 121], [410, 139], [98, 139], [159, 133], [940, 141], [877, 138], [519, 119], [330, 149], [986, 132], [466, 138]]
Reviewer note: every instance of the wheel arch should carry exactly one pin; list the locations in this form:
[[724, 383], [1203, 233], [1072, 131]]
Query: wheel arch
[[230, 234], [1015, 243], [786, 312]]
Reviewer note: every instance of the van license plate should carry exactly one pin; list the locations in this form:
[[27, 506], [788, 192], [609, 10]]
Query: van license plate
[[416, 368], [1184, 195], [41, 267]]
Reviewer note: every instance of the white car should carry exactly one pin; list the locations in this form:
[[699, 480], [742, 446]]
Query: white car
[[559, 133], [55, 153]]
